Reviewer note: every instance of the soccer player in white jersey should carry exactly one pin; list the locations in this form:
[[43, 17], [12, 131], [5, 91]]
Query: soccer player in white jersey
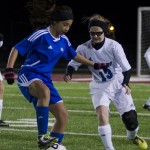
[[147, 58], [2, 123], [110, 83], [43, 49]]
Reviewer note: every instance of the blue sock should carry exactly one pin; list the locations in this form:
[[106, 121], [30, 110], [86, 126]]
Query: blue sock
[[42, 114], [58, 135]]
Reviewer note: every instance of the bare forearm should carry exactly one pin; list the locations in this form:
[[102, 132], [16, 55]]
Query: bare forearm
[[79, 58], [12, 58]]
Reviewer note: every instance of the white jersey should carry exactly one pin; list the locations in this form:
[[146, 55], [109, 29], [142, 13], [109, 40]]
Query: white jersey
[[147, 56], [1, 43], [1, 77], [111, 52]]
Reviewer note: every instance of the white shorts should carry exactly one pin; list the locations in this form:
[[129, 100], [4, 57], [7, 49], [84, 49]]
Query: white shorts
[[104, 93], [1, 77]]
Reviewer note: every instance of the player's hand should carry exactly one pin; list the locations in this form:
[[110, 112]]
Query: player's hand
[[127, 89], [98, 66], [1, 40], [9, 75], [67, 77]]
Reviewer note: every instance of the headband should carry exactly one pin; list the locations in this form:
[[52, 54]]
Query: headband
[[62, 16], [98, 23]]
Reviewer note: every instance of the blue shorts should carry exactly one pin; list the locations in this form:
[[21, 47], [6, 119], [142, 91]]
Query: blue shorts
[[25, 78]]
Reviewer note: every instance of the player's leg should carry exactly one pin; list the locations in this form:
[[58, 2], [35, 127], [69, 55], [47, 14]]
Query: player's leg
[[147, 58], [147, 105], [124, 104], [130, 120], [104, 128], [61, 115], [101, 104], [2, 123], [35, 91], [39, 90], [57, 108]]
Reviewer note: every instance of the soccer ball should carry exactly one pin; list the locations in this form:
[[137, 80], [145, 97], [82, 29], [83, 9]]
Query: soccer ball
[[57, 146]]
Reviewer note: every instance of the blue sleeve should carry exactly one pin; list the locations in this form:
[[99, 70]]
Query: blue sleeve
[[70, 53], [24, 46]]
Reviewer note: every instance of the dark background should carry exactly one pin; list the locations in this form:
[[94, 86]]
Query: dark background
[[15, 26]]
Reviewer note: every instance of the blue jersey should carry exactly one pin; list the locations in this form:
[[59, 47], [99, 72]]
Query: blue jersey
[[43, 51]]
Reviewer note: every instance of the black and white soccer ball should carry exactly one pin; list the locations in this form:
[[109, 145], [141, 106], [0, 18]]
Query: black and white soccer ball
[[57, 146]]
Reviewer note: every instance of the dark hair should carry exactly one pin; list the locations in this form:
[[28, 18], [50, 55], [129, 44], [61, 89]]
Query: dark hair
[[43, 13], [107, 24]]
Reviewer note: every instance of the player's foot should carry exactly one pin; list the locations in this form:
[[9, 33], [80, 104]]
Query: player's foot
[[3, 124], [145, 106], [46, 141], [140, 143], [57, 146]]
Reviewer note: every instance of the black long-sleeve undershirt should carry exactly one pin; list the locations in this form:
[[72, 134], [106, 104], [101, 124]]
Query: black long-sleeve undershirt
[[127, 75]]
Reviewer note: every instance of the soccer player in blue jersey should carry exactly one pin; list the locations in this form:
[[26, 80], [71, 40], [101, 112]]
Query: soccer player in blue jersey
[[109, 84], [43, 49]]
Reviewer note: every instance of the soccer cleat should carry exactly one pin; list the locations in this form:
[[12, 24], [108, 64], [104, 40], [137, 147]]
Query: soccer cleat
[[57, 146], [140, 143], [3, 124], [145, 106], [46, 141]]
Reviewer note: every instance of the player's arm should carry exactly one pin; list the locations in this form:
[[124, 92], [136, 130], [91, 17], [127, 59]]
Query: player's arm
[[9, 72], [121, 59], [68, 74], [1, 40], [12, 58], [126, 80], [81, 59], [74, 64]]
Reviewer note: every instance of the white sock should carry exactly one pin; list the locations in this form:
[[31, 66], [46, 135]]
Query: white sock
[[132, 134], [148, 102], [1, 106], [106, 136]]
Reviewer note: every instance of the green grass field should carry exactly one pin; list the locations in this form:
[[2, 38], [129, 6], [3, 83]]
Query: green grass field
[[81, 132]]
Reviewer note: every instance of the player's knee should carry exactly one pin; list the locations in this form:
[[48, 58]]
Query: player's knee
[[130, 120], [62, 117], [65, 116]]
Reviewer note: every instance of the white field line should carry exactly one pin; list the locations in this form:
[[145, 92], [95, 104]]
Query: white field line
[[77, 111], [27, 122], [70, 133], [86, 88], [74, 97], [28, 125]]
